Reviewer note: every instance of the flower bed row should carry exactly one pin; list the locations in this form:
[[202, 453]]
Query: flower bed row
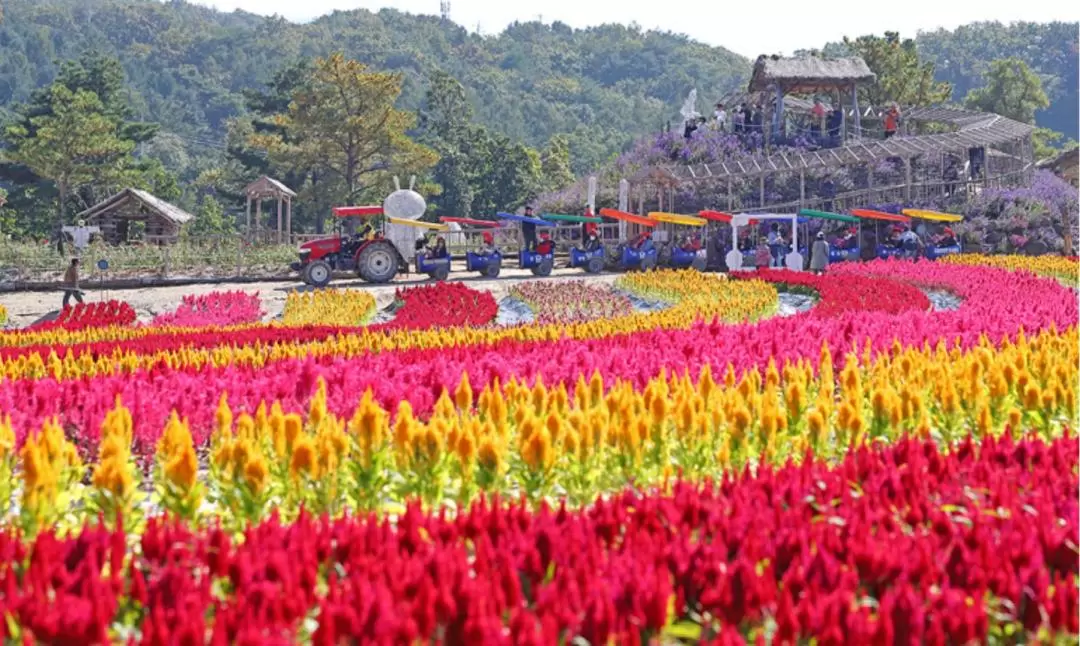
[[571, 301], [996, 305], [89, 315], [329, 307], [213, 310], [1063, 268], [441, 305], [893, 545], [853, 295], [260, 345]]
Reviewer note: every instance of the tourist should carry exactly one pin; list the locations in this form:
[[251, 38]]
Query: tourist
[[528, 230], [757, 119], [776, 245], [690, 127], [892, 120], [947, 239], [546, 246], [834, 122], [488, 246], [721, 117], [817, 118], [738, 119], [440, 250], [71, 283], [819, 254]]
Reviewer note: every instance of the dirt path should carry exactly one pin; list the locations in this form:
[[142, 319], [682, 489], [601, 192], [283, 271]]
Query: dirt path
[[25, 308]]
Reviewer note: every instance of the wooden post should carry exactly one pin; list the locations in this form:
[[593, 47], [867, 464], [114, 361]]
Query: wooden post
[[761, 190], [802, 188], [288, 218], [855, 105], [279, 231], [258, 215], [247, 211], [907, 179], [730, 195]]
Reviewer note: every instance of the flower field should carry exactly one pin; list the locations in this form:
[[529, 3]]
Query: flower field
[[868, 471]]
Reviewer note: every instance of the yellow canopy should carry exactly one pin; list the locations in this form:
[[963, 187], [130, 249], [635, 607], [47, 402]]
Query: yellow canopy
[[676, 218], [932, 216], [434, 226]]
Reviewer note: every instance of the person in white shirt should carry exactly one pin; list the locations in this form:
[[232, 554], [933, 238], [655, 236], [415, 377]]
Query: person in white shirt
[[721, 116]]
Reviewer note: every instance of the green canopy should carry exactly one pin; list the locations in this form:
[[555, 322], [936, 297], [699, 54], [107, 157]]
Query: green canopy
[[825, 215], [564, 217]]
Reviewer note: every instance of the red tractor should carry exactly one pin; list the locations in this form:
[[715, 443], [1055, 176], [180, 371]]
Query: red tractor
[[375, 256]]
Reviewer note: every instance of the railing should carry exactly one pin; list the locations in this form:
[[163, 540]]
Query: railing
[[210, 257]]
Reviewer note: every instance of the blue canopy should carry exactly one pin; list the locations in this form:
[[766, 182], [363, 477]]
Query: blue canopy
[[525, 218]]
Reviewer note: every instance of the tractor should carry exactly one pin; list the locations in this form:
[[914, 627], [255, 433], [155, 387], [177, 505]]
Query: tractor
[[375, 256]]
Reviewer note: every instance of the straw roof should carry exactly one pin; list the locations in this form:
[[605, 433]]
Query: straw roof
[[267, 186], [808, 74], [147, 203]]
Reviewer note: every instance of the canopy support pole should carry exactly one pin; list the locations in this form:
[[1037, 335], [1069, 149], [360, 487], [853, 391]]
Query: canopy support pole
[[802, 188], [855, 106]]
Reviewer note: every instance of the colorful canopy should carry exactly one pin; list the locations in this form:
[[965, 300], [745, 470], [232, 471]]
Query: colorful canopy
[[715, 216], [433, 226], [471, 222], [525, 218], [870, 214], [676, 218], [627, 217], [933, 216], [566, 217], [826, 215], [360, 211]]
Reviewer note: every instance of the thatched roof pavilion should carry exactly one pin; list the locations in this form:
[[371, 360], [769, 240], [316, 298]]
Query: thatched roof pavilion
[[808, 74]]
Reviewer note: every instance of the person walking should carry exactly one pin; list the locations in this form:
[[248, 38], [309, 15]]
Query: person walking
[[71, 283], [819, 254]]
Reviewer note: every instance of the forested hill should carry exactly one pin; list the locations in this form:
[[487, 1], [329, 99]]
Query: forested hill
[[963, 56], [188, 65]]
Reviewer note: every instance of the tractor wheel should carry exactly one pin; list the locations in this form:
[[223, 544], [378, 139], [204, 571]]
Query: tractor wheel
[[377, 262], [493, 269], [544, 268], [699, 262], [648, 263], [317, 273], [442, 272], [595, 265]]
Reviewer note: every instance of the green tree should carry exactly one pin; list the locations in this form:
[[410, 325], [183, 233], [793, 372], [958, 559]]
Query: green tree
[[76, 145], [444, 124], [507, 173], [555, 164], [902, 77], [343, 124], [1012, 90], [210, 219]]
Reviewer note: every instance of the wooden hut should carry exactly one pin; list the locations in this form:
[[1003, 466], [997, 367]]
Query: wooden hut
[[161, 221], [810, 75]]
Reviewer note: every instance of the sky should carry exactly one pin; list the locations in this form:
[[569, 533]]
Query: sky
[[738, 25]]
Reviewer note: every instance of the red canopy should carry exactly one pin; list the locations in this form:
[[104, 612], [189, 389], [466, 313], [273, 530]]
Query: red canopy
[[472, 222], [361, 211], [627, 217], [716, 216], [870, 214]]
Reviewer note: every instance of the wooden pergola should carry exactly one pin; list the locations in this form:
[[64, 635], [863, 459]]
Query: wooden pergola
[[268, 188], [969, 131]]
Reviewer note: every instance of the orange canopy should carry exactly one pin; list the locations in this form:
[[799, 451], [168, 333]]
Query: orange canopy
[[627, 217]]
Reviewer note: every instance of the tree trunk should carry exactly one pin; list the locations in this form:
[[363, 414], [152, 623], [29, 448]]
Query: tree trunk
[[62, 189]]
